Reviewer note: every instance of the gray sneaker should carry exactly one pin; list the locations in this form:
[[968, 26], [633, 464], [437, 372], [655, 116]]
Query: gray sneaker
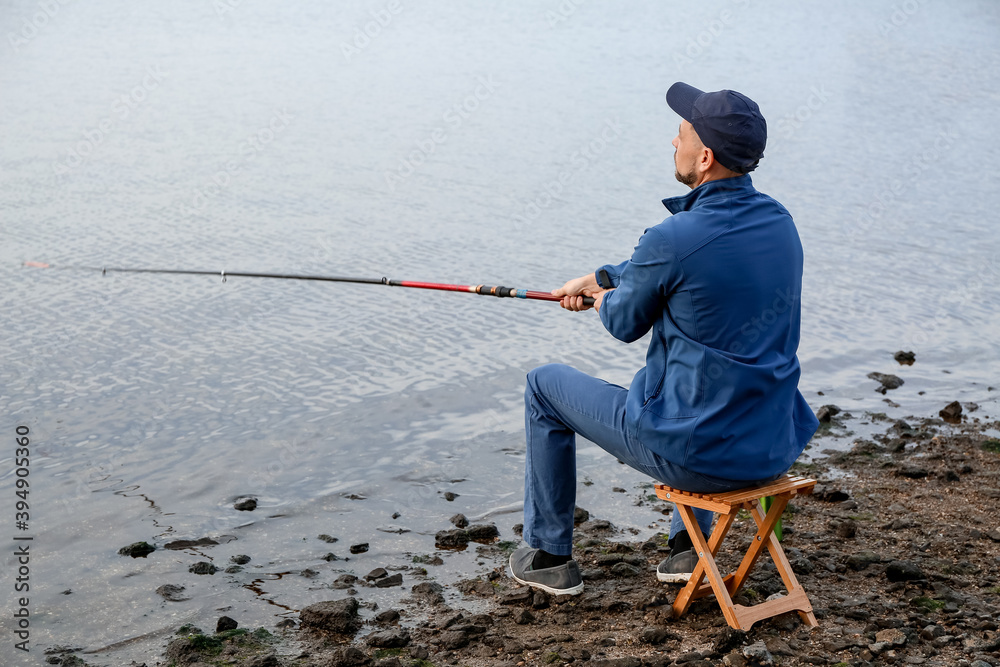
[[677, 568], [562, 580]]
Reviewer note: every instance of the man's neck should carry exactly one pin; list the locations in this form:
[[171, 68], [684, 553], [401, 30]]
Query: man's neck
[[716, 173]]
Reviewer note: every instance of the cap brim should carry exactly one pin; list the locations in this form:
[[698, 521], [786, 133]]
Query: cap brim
[[681, 98]]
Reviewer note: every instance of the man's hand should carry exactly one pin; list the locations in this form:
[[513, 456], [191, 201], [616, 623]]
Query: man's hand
[[574, 291]]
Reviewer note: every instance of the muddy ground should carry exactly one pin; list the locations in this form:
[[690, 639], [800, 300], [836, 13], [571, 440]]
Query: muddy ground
[[898, 550]]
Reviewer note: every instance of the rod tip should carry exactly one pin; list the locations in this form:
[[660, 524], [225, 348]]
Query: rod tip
[[37, 265]]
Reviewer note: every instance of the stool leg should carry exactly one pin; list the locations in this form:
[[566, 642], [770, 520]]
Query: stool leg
[[765, 527], [795, 590], [706, 566]]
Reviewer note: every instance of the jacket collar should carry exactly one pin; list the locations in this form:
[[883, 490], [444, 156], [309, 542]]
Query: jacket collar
[[705, 191]]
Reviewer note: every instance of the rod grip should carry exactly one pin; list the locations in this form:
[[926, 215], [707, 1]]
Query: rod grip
[[496, 290], [588, 301]]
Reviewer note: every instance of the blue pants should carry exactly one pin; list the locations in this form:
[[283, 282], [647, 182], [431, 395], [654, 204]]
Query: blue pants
[[561, 402]]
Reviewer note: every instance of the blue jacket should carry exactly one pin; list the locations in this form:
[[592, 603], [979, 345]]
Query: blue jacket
[[719, 284]]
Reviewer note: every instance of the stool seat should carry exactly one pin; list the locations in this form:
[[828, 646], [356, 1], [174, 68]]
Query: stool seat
[[727, 505]]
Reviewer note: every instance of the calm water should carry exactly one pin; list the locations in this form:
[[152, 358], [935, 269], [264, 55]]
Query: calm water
[[422, 142]]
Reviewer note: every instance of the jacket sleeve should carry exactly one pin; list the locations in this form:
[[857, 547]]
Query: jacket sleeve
[[643, 284]]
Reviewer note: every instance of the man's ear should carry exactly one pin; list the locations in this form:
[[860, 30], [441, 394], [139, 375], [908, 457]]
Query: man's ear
[[707, 158]]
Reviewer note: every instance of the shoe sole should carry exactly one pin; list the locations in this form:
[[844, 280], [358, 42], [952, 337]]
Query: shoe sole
[[678, 578], [575, 590]]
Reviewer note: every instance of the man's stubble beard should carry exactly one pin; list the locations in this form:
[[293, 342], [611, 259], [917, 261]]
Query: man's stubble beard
[[686, 179]]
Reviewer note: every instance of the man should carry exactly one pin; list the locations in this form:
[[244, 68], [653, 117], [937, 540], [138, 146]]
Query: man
[[717, 405]]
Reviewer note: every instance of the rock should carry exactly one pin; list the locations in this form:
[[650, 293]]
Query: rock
[[450, 496], [826, 413], [777, 646], [523, 617], [187, 650], [580, 515], [428, 560], [656, 636], [137, 550], [388, 639], [241, 559], [377, 573], [203, 567], [862, 559], [225, 623], [912, 472], [428, 591], [932, 632], [344, 581], [952, 412], [451, 539], [522, 596], [454, 639], [359, 548], [729, 639], [844, 528], [327, 538], [830, 494], [339, 616], [893, 636], [625, 570], [482, 532], [597, 526], [285, 623], [330, 557], [904, 570], [387, 582], [246, 505], [187, 544], [888, 381], [758, 654], [387, 616], [459, 521], [347, 656], [475, 586], [172, 593], [266, 660], [905, 358]]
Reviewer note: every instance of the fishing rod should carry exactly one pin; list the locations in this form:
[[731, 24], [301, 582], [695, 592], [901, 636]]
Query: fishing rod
[[489, 290]]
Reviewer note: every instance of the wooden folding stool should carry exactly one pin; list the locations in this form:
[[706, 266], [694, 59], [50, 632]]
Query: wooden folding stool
[[725, 588]]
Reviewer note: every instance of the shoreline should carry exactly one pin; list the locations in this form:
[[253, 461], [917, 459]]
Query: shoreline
[[898, 550]]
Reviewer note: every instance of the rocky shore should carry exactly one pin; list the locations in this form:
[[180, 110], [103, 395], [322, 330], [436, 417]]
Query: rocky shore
[[898, 549]]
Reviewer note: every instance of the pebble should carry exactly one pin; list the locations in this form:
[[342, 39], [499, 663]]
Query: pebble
[[758, 653], [344, 581], [171, 592], [137, 550], [904, 570], [339, 616], [203, 567], [225, 623], [387, 582], [951, 412], [246, 505], [887, 380]]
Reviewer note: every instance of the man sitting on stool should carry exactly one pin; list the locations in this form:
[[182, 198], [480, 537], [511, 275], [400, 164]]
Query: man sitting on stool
[[717, 406]]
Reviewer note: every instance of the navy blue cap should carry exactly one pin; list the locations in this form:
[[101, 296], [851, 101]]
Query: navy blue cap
[[728, 122]]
